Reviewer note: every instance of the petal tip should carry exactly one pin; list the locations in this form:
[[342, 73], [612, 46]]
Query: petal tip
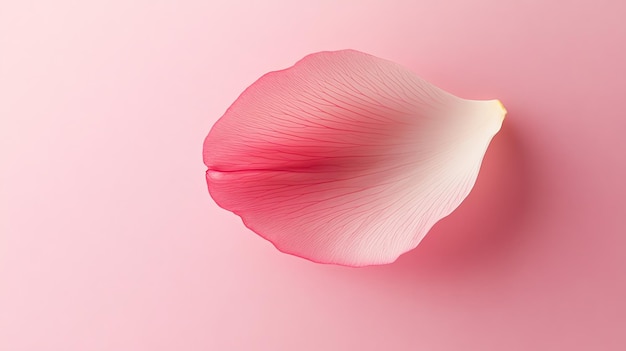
[[502, 108]]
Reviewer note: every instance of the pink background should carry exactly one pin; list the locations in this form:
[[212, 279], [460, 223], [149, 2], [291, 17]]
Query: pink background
[[109, 239]]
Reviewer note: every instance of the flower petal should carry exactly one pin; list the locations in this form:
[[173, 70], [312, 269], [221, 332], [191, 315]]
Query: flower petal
[[347, 158]]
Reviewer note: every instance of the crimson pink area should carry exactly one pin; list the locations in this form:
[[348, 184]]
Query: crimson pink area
[[109, 240]]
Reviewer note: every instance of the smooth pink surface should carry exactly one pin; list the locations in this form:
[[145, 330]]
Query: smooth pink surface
[[109, 240]]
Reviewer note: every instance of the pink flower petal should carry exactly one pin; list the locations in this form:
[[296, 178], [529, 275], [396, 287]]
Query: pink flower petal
[[346, 158]]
